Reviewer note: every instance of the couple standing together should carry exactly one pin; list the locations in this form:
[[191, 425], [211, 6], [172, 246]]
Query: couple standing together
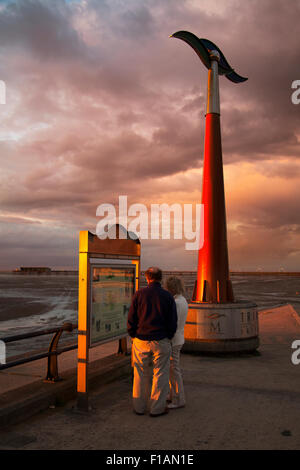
[[155, 323]]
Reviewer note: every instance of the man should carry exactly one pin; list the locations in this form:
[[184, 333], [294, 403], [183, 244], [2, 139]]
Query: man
[[152, 323]]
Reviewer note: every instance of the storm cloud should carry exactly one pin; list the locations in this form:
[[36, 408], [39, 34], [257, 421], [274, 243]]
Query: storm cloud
[[101, 102]]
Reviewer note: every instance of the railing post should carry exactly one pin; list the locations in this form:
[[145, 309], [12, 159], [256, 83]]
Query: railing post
[[122, 350], [52, 368]]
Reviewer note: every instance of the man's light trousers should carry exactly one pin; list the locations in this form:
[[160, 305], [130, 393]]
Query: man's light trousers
[[142, 353]]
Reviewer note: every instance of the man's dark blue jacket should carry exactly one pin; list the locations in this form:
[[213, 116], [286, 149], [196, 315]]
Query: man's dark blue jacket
[[152, 315]]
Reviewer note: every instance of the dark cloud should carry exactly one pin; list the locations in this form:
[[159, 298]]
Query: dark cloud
[[101, 102], [37, 244], [40, 27], [252, 248]]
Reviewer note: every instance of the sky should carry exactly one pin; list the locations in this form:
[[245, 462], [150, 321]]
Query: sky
[[100, 102]]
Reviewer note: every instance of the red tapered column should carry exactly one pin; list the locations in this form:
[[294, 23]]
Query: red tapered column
[[213, 284], [215, 321]]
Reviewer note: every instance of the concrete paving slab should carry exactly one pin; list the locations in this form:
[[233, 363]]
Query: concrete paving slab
[[278, 325]]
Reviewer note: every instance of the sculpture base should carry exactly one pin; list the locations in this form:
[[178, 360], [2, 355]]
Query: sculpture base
[[221, 328]]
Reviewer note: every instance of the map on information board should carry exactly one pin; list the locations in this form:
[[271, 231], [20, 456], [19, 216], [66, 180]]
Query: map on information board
[[112, 291]]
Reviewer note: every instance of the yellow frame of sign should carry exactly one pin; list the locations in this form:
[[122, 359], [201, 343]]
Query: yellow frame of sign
[[93, 252]]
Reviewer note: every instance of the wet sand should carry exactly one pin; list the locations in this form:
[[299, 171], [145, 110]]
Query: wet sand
[[11, 308], [24, 296]]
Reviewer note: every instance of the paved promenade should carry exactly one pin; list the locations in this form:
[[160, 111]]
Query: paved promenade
[[249, 401]]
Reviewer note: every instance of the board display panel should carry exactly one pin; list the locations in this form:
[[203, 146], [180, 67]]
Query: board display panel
[[112, 288]]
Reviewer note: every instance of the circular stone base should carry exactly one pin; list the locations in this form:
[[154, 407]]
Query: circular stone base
[[230, 327], [243, 345]]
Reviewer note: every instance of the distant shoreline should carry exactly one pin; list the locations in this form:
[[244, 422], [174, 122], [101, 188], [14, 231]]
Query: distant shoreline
[[243, 273], [165, 272], [265, 273]]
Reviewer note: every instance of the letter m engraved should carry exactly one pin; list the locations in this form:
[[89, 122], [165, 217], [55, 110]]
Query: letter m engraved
[[215, 327]]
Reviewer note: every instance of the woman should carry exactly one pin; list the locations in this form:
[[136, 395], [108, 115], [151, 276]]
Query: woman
[[175, 286]]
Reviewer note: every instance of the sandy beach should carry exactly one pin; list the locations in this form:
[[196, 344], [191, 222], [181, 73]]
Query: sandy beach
[[20, 308]]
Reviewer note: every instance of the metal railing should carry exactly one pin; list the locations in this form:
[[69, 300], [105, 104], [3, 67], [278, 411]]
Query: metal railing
[[52, 353]]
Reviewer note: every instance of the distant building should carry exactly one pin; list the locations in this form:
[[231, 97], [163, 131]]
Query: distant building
[[34, 270]]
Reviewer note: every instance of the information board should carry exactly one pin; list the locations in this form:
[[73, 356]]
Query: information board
[[108, 276], [112, 289]]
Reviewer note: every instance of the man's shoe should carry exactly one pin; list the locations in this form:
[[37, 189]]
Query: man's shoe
[[166, 411], [138, 413], [171, 406]]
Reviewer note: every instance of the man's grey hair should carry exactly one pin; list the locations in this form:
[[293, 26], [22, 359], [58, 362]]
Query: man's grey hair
[[154, 274]]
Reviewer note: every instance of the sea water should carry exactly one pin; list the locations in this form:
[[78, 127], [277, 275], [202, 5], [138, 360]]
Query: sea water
[[37, 302]]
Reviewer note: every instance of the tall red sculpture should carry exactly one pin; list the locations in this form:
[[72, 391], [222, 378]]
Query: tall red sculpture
[[216, 322], [213, 283]]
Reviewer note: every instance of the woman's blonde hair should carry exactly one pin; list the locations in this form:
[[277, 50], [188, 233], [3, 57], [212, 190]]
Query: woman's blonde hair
[[175, 285]]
